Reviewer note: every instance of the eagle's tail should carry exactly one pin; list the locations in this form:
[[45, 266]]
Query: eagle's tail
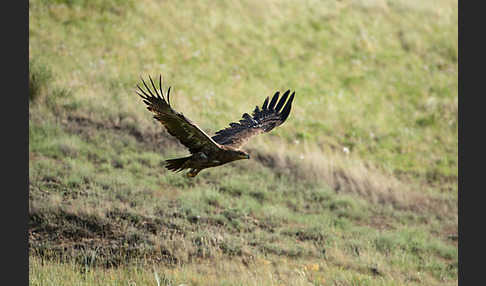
[[177, 165]]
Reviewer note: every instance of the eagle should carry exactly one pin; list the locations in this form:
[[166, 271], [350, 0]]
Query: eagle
[[224, 146]]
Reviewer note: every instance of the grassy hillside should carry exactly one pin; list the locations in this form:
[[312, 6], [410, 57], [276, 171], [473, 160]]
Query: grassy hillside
[[358, 187]]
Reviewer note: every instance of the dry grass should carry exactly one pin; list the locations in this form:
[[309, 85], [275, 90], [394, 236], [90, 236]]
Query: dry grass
[[350, 175]]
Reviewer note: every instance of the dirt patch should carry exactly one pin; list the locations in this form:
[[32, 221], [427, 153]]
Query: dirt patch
[[96, 240], [153, 141], [120, 237]]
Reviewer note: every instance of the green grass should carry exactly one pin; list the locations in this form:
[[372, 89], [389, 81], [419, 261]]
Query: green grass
[[377, 78]]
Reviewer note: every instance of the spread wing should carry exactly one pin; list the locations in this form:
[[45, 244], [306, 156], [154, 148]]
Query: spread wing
[[270, 116], [188, 133]]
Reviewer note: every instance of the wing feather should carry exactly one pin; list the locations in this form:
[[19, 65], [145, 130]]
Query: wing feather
[[265, 103], [282, 101], [179, 126], [262, 120], [274, 100]]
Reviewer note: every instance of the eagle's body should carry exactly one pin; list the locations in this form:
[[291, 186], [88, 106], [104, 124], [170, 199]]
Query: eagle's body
[[202, 160], [224, 146]]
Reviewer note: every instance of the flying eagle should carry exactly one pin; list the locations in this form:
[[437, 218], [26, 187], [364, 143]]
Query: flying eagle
[[225, 145]]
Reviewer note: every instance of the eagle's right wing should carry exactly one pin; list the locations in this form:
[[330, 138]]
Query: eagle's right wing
[[271, 115], [188, 133]]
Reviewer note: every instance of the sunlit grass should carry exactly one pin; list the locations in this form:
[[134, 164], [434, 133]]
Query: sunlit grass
[[383, 86], [358, 187]]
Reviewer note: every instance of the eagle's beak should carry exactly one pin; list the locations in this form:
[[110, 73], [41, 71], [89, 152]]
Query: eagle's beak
[[246, 156]]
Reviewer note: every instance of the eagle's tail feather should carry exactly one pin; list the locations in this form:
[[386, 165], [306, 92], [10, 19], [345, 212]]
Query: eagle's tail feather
[[177, 165]]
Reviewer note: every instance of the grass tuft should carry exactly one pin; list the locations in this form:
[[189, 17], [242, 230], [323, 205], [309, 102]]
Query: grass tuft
[[40, 76]]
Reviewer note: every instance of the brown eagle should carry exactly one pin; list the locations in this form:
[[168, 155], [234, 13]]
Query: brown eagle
[[225, 145]]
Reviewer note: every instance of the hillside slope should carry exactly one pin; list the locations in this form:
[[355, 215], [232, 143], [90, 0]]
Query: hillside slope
[[359, 186]]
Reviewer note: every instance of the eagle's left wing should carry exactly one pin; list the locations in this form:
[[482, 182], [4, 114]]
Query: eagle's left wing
[[270, 116], [179, 126]]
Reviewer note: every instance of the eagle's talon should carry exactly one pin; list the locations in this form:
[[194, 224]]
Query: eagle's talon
[[192, 173]]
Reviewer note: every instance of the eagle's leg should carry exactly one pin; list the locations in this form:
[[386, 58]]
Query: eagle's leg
[[193, 172]]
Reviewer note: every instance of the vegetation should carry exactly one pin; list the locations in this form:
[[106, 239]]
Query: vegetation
[[358, 187]]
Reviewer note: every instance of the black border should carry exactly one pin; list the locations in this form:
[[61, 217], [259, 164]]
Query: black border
[[462, 113], [15, 143]]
